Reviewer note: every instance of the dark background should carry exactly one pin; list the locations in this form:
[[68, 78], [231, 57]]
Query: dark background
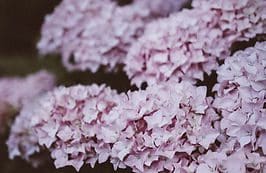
[[20, 24]]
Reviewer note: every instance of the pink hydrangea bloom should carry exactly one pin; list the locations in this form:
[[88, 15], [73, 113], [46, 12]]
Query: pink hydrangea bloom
[[188, 43], [149, 131], [231, 160], [166, 123], [16, 91], [241, 95], [22, 141], [90, 33], [65, 121]]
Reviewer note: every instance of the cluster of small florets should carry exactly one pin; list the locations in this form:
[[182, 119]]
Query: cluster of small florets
[[91, 33], [188, 42], [191, 41], [229, 158], [29, 87], [171, 126], [15, 92], [241, 98], [152, 130], [62, 115]]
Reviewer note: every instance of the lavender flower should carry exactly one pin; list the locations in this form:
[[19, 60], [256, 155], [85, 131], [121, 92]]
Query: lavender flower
[[188, 43]]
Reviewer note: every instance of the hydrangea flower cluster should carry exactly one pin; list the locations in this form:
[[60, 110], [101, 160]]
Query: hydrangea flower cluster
[[190, 42], [29, 87], [90, 33], [229, 158], [241, 97], [171, 126], [149, 131]]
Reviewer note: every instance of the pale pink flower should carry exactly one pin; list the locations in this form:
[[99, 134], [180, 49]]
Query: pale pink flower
[[149, 131], [90, 33], [189, 43], [163, 126], [15, 91], [241, 94], [64, 121], [241, 160], [18, 92], [22, 141]]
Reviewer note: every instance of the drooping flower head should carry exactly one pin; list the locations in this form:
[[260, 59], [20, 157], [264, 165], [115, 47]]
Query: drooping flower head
[[189, 43]]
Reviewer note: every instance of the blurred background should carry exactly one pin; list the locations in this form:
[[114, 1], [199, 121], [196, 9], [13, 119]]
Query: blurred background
[[20, 24]]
